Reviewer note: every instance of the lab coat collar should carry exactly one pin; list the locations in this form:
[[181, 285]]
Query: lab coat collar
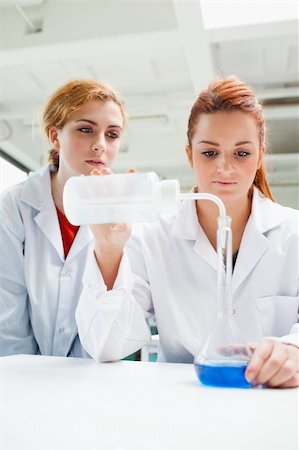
[[37, 189], [186, 226], [83, 238], [37, 193], [253, 246], [265, 215]]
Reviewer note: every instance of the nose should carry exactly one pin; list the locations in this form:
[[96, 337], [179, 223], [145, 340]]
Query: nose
[[225, 165], [99, 145]]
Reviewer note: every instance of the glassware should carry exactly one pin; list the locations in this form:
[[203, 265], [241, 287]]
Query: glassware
[[224, 355], [142, 197]]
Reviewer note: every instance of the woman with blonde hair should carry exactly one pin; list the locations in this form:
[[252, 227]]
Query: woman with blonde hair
[[172, 267], [43, 256]]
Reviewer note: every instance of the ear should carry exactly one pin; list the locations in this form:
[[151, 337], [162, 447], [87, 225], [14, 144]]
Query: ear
[[54, 138], [263, 151], [189, 155]]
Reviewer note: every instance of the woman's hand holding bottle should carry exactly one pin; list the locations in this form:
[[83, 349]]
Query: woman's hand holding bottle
[[110, 240]]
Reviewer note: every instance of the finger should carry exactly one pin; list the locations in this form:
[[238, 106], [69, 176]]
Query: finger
[[118, 227], [252, 346], [286, 373], [95, 172], [274, 364], [260, 355], [104, 171], [132, 170], [289, 373], [292, 382]]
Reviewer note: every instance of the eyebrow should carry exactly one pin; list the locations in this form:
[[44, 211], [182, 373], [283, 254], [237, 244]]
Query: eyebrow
[[208, 142], [217, 145], [95, 123], [243, 142]]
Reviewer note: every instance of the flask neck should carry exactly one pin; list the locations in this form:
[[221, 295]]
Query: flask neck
[[224, 252]]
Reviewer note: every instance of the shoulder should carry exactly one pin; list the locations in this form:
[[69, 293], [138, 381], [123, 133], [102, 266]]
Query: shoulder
[[15, 198], [10, 197], [11, 221], [286, 213], [290, 221], [289, 225], [269, 215]]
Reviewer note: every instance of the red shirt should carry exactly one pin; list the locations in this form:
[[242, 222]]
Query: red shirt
[[68, 232]]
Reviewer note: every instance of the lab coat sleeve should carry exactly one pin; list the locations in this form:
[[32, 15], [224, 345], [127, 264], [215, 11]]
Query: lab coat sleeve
[[112, 324], [292, 337], [16, 335]]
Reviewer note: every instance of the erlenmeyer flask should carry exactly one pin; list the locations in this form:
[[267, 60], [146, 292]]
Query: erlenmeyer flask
[[224, 355]]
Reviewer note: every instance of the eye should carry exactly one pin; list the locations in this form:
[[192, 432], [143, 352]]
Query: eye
[[86, 130], [209, 153], [242, 153], [113, 134]]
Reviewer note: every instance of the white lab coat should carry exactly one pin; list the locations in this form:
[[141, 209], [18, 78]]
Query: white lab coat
[[172, 271], [39, 289]]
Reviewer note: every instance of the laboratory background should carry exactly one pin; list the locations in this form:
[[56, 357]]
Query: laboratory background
[[158, 54]]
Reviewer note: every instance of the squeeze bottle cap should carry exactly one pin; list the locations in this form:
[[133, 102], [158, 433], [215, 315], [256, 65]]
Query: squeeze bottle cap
[[167, 196]]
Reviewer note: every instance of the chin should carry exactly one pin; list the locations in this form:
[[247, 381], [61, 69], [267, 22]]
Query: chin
[[83, 170]]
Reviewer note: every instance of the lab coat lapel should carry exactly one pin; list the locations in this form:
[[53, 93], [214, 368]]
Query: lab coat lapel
[[47, 221], [83, 238], [186, 226], [253, 246], [265, 215], [37, 194], [204, 249]]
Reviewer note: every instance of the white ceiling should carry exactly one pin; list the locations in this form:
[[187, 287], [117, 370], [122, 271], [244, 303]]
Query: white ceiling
[[158, 55]]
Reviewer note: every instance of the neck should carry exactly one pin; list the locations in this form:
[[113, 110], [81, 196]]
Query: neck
[[57, 185]]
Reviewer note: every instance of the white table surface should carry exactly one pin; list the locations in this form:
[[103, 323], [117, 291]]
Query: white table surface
[[65, 403]]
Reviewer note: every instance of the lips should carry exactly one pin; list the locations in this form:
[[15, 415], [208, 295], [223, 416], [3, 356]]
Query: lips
[[224, 182], [95, 162]]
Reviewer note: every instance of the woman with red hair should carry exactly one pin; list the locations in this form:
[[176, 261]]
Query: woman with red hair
[[42, 255], [174, 263]]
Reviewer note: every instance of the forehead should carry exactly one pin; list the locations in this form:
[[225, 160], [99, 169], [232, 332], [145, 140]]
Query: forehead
[[98, 110], [224, 125]]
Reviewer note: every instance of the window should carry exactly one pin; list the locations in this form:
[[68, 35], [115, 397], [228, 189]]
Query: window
[[245, 12], [11, 172]]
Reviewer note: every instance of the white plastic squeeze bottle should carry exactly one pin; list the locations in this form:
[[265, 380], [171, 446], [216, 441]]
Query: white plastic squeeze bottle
[[129, 197]]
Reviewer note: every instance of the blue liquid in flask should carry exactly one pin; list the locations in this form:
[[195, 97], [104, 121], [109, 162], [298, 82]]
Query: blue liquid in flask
[[223, 375]]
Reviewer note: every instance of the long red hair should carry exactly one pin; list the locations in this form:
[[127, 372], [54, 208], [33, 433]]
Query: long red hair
[[232, 94]]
